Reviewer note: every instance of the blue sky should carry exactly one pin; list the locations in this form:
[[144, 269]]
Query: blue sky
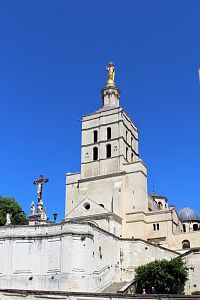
[[53, 56]]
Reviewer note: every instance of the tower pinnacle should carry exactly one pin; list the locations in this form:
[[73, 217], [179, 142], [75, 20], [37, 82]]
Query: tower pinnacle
[[110, 93]]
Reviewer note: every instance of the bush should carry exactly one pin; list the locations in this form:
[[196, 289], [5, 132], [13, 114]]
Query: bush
[[196, 293], [10, 205], [165, 277]]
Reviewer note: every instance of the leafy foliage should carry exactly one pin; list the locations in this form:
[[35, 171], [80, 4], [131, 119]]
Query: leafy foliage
[[10, 205], [196, 293], [166, 277]]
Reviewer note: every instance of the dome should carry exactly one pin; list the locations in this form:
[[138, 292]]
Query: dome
[[188, 214]]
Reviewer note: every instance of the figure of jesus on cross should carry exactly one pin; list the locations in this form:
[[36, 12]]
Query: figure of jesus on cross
[[39, 183]]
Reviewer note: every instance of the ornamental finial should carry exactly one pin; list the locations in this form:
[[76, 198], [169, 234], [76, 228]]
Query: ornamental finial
[[111, 74]]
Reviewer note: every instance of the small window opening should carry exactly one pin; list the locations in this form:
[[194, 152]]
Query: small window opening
[[101, 205], [108, 150], [126, 135], [185, 244], [100, 254], [95, 153], [132, 142], [184, 228], [86, 206], [132, 157], [156, 226], [108, 133], [159, 205], [95, 136], [195, 227], [126, 153]]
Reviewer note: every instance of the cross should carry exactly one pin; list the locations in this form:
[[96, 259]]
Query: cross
[[39, 183]]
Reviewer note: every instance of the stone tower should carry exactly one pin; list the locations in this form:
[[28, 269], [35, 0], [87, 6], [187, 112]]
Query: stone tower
[[111, 174], [109, 138]]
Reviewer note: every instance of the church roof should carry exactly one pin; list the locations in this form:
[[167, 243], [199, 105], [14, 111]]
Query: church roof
[[188, 214], [156, 195]]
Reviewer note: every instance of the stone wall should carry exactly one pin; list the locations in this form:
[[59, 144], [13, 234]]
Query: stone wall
[[69, 257]]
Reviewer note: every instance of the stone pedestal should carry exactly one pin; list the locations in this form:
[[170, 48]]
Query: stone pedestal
[[110, 96], [34, 219], [37, 219]]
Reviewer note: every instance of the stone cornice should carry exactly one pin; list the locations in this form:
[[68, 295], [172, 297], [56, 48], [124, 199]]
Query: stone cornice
[[44, 294]]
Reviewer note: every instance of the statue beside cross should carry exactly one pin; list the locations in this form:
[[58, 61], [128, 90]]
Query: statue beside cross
[[8, 219], [32, 208]]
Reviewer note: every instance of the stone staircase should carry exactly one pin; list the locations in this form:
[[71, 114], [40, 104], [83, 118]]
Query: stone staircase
[[116, 287]]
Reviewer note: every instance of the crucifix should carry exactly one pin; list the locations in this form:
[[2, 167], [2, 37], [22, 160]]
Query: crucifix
[[39, 183]]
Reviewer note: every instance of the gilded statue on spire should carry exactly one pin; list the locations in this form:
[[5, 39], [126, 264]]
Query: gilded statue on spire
[[111, 74]]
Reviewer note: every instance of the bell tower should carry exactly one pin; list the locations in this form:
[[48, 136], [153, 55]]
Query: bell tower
[[111, 172], [109, 138]]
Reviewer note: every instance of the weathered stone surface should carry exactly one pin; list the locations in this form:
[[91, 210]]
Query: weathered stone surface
[[70, 257]]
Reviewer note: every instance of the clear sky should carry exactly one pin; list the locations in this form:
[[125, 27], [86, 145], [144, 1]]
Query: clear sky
[[53, 56]]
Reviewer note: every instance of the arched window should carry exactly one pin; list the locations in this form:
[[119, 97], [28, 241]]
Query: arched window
[[95, 153], [195, 227], [108, 150], [132, 142], [95, 136], [185, 244], [108, 133]]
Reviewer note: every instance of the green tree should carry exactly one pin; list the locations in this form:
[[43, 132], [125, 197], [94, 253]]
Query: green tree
[[10, 205], [166, 277]]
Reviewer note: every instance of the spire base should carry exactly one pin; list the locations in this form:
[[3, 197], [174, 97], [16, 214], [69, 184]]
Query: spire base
[[110, 96]]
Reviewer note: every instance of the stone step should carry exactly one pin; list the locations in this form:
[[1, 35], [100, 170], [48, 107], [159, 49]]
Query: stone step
[[115, 287]]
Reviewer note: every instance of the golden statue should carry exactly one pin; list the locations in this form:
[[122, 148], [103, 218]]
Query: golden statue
[[111, 74]]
